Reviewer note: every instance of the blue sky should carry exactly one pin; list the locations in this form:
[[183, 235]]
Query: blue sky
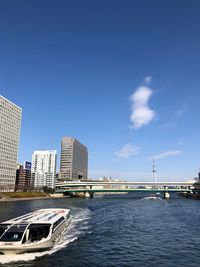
[[120, 76]]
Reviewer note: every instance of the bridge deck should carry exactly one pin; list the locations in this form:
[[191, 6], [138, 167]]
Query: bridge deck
[[85, 190], [75, 183]]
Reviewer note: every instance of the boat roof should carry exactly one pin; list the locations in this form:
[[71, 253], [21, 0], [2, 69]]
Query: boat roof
[[40, 216]]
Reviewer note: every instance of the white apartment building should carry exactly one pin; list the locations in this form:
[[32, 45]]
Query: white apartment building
[[43, 170], [74, 159], [10, 125]]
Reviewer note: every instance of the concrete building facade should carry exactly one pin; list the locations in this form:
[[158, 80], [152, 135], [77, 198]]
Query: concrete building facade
[[10, 125], [74, 160], [23, 177], [43, 170]]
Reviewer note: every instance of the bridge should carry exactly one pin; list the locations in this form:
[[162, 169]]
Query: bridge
[[89, 188]]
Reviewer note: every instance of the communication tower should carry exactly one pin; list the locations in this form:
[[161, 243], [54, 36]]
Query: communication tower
[[154, 171]]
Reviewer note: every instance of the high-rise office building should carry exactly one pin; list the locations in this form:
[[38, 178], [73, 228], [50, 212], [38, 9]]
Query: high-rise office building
[[43, 170], [10, 124], [74, 159]]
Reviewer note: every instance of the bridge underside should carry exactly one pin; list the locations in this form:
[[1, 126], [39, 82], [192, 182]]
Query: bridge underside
[[91, 192]]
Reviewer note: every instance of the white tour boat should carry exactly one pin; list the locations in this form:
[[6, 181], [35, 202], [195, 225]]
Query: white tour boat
[[35, 231]]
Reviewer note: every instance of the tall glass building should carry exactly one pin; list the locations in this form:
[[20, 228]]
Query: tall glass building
[[74, 160], [10, 125]]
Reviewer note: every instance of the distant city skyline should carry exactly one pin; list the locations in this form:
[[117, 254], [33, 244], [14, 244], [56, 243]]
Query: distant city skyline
[[120, 76]]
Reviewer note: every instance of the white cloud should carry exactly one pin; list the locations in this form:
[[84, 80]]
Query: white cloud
[[148, 80], [180, 112], [114, 160], [180, 142], [166, 154], [126, 151], [169, 125], [141, 113]]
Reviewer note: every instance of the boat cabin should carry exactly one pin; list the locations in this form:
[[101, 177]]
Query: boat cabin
[[33, 227]]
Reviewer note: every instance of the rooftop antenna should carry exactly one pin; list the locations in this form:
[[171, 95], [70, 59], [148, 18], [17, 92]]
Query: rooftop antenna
[[154, 171]]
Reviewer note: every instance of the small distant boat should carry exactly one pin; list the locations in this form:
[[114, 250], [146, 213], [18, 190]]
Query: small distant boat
[[36, 231]]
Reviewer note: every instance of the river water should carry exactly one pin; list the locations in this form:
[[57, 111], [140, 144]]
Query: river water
[[127, 230]]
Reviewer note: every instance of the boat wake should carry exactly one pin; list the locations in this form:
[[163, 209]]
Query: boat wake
[[153, 198], [79, 226]]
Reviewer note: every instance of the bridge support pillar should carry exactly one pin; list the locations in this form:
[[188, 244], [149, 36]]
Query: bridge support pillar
[[89, 194], [166, 195]]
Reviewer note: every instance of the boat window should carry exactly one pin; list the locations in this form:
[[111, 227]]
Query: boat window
[[24, 239], [57, 223], [12, 236], [14, 233], [3, 227], [38, 231]]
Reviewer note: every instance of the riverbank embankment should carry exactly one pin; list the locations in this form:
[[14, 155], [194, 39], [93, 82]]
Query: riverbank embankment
[[22, 196], [190, 195]]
